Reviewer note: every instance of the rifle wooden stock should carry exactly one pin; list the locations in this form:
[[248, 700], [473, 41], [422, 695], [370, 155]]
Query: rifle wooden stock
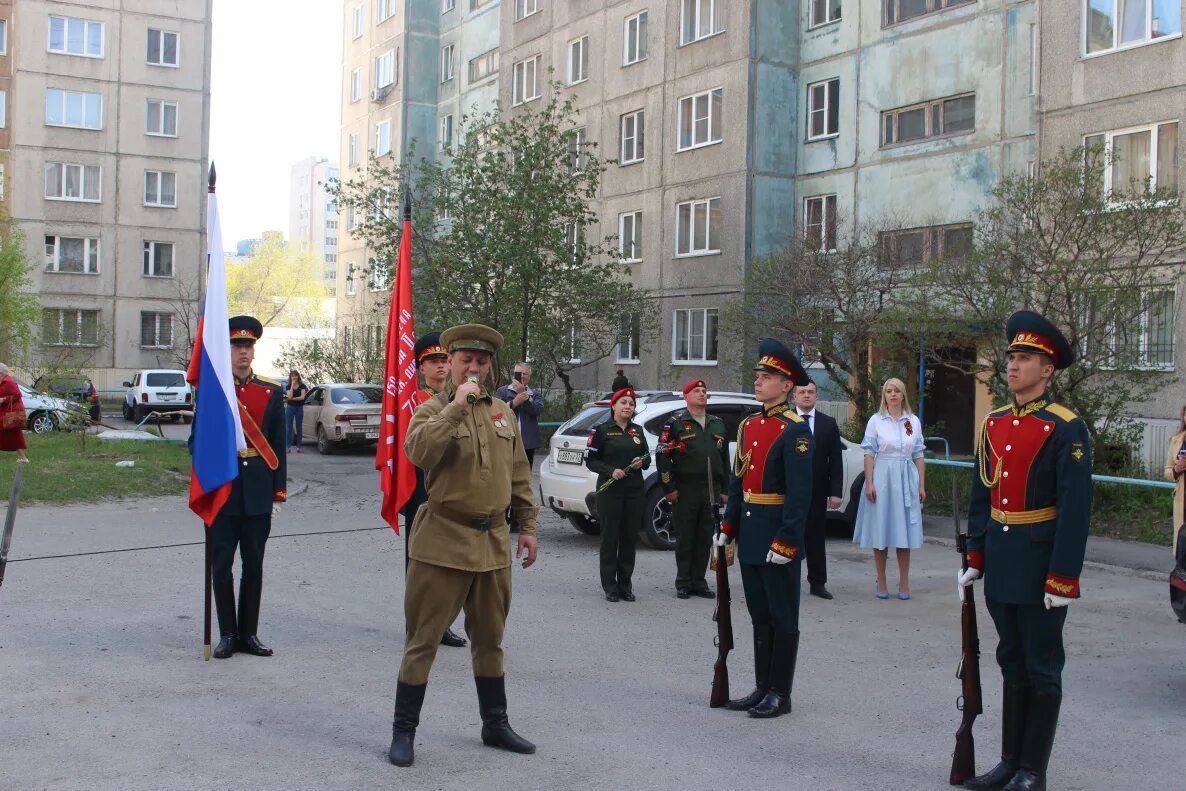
[[724, 639], [971, 703]]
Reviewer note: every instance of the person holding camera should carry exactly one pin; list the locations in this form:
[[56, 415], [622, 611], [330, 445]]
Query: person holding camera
[[527, 404]]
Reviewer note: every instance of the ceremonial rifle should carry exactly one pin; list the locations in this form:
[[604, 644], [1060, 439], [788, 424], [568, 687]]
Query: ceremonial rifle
[[963, 760], [724, 619], [10, 519]]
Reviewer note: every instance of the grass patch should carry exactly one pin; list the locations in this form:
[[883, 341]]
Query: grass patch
[[1131, 513], [66, 470]]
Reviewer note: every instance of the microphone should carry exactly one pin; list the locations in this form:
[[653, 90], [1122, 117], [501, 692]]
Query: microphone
[[472, 398]]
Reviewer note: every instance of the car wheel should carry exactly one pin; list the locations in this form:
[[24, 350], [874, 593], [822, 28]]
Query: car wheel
[[584, 524], [42, 423], [324, 445], [657, 530], [139, 413], [127, 411]]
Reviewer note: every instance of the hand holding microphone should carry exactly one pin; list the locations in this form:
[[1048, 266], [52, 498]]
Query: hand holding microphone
[[470, 389]]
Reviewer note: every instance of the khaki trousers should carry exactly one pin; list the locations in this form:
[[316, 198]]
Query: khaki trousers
[[432, 599]]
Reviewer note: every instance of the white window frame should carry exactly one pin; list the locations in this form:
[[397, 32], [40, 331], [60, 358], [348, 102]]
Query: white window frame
[[633, 144], [634, 341], [383, 137], [578, 60], [53, 254], [385, 69], [359, 20], [526, 8], [356, 84], [79, 313], [713, 97], [630, 248], [639, 23], [691, 315], [816, 20], [1110, 135], [63, 100], [3, 36], [812, 108], [150, 260], [384, 10], [891, 11], [87, 175], [577, 143], [158, 177], [1117, 45], [157, 320], [827, 224], [161, 48], [447, 65], [3, 111], [519, 81], [699, 8], [65, 48], [161, 130], [351, 284], [352, 151], [448, 5], [446, 131], [693, 206]]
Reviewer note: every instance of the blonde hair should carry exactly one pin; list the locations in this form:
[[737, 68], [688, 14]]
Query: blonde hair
[[898, 383]]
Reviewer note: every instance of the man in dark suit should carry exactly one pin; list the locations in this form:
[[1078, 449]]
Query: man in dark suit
[[827, 483]]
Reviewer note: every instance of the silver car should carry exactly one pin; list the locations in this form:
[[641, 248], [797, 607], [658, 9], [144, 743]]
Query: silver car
[[46, 413], [341, 414]]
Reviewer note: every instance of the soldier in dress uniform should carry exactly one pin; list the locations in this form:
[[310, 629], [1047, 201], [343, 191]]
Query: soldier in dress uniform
[[692, 441], [1027, 532], [468, 444], [246, 518], [433, 362], [769, 497]]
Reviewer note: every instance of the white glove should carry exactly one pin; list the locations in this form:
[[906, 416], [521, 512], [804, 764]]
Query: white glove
[[275, 509], [1056, 601], [965, 578], [777, 559], [722, 539]]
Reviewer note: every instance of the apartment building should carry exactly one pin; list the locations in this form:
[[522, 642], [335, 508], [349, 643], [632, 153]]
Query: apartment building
[[313, 213], [106, 172]]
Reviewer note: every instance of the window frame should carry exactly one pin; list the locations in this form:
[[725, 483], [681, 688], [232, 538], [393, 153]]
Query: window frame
[[161, 48], [637, 138], [718, 93], [448, 68], [826, 109], [3, 36], [704, 359], [521, 7], [636, 241], [65, 36], [1154, 130], [356, 84], [83, 182], [933, 7], [353, 152], [827, 242], [581, 62], [445, 131], [634, 340], [934, 240], [160, 189], [488, 61], [163, 103], [384, 10], [91, 255], [351, 282], [577, 142], [641, 37], [1107, 347], [151, 259], [380, 126], [448, 5], [1117, 45], [64, 102], [385, 70], [709, 235], [80, 313], [931, 109], [358, 20], [157, 316], [712, 15], [519, 80], [828, 18]]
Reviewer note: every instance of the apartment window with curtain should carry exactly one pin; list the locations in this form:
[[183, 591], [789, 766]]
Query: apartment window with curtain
[[629, 336], [385, 69], [156, 330], [823, 109], [577, 141], [694, 336], [824, 12], [1138, 158], [447, 131], [483, 66], [700, 19], [73, 109], [525, 8], [699, 122], [914, 248], [69, 327], [356, 85], [70, 182], [525, 81], [578, 60], [358, 17], [1121, 24], [160, 189], [352, 152], [447, 57], [697, 227], [160, 118], [630, 236], [382, 138], [162, 48], [820, 222], [71, 254], [158, 259]]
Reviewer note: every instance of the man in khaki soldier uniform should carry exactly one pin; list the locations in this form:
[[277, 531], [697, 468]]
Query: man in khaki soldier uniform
[[468, 444]]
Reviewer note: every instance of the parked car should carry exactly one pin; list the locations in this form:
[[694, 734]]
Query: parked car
[[77, 389], [342, 414], [46, 413], [158, 390], [568, 487]]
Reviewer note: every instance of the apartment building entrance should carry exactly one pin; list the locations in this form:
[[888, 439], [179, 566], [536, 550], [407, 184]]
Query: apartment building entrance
[[950, 408]]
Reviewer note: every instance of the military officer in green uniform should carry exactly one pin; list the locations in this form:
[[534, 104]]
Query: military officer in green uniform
[[1027, 533], [617, 451], [693, 446], [468, 445]]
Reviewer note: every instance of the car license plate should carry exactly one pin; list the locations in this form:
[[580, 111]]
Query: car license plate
[[570, 456], [168, 396], [372, 433]]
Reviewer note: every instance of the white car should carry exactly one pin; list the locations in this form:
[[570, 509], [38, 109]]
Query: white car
[[46, 413], [569, 488], [158, 390]]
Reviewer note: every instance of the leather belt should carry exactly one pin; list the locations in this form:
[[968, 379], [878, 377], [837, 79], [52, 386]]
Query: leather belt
[[1025, 517], [757, 498], [475, 521], [250, 453]]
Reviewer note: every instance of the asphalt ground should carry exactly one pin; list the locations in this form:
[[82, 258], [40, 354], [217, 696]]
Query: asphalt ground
[[102, 684]]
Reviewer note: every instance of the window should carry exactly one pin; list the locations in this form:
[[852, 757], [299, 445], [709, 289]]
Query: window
[[916, 247], [578, 60], [525, 8], [700, 119], [697, 227], [629, 335], [161, 118], [384, 10], [160, 188], [633, 137], [824, 12], [356, 85], [820, 222], [1144, 341], [447, 131], [694, 337], [3, 180], [700, 19], [474, 5], [385, 69], [1138, 159], [3, 36], [1118, 24], [71, 254], [823, 109], [378, 275], [158, 259], [895, 11], [70, 36], [382, 138], [349, 280], [630, 236], [162, 48], [69, 327], [448, 5], [358, 16], [930, 119], [577, 141], [352, 151], [156, 330], [351, 217], [72, 182], [446, 63], [524, 81], [635, 39], [3, 109], [483, 66], [72, 108]]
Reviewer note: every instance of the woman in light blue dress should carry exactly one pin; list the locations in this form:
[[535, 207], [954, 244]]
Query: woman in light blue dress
[[891, 513]]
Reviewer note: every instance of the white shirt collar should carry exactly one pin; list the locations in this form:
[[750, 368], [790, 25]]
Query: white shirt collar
[[805, 414]]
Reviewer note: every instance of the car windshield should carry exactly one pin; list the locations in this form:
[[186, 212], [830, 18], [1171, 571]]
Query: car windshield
[[67, 385], [166, 379], [585, 420], [356, 395]]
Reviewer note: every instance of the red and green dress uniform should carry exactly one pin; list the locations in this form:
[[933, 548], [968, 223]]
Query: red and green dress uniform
[[689, 451], [621, 507]]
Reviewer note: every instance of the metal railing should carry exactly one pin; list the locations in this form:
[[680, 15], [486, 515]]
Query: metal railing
[[1095, 478]]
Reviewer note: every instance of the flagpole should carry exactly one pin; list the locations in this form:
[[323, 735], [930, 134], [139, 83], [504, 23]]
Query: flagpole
[[209, 559]]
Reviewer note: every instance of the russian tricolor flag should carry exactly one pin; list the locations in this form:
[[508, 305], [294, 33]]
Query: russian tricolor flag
[[217, 431]]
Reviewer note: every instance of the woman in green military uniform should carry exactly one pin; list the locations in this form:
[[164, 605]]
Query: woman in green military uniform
[[618, 452]]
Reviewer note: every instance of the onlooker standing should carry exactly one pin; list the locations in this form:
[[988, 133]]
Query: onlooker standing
[[12, 416], [827, 474], [890, 516], [1175, 467], [527, 405], [694, 440], [620, 381], [294, 410]]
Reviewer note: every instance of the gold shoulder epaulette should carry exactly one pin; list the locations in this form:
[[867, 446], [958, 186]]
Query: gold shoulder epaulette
[[778, 410], [793, 417], [267, 381], [1058, 410]]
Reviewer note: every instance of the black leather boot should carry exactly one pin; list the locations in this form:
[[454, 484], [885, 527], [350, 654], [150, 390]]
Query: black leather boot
[[1041, 721], [408, 700], [250, 593], [496, 730], [782, 674], [228, 628], [762, 648], [1013, 704], [452, 639]]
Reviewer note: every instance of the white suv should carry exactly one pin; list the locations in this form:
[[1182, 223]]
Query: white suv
[[157, 390], [568, 488]]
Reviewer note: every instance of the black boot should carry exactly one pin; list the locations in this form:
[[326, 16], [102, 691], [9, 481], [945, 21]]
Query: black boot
[[224, 605], [250, 593], [1041, 721], [1012, 732], [496, 730], [762, 647], [782, 674], [408, 700], [452, 639]]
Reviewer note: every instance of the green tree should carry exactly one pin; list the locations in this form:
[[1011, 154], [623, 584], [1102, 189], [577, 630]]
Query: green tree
[[19, 309], [279, 284]]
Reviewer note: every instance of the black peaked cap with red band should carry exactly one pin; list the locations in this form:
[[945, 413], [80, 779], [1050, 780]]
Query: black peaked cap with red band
[[776, 358], [429, 345], [1028, 331], [245, 328]]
